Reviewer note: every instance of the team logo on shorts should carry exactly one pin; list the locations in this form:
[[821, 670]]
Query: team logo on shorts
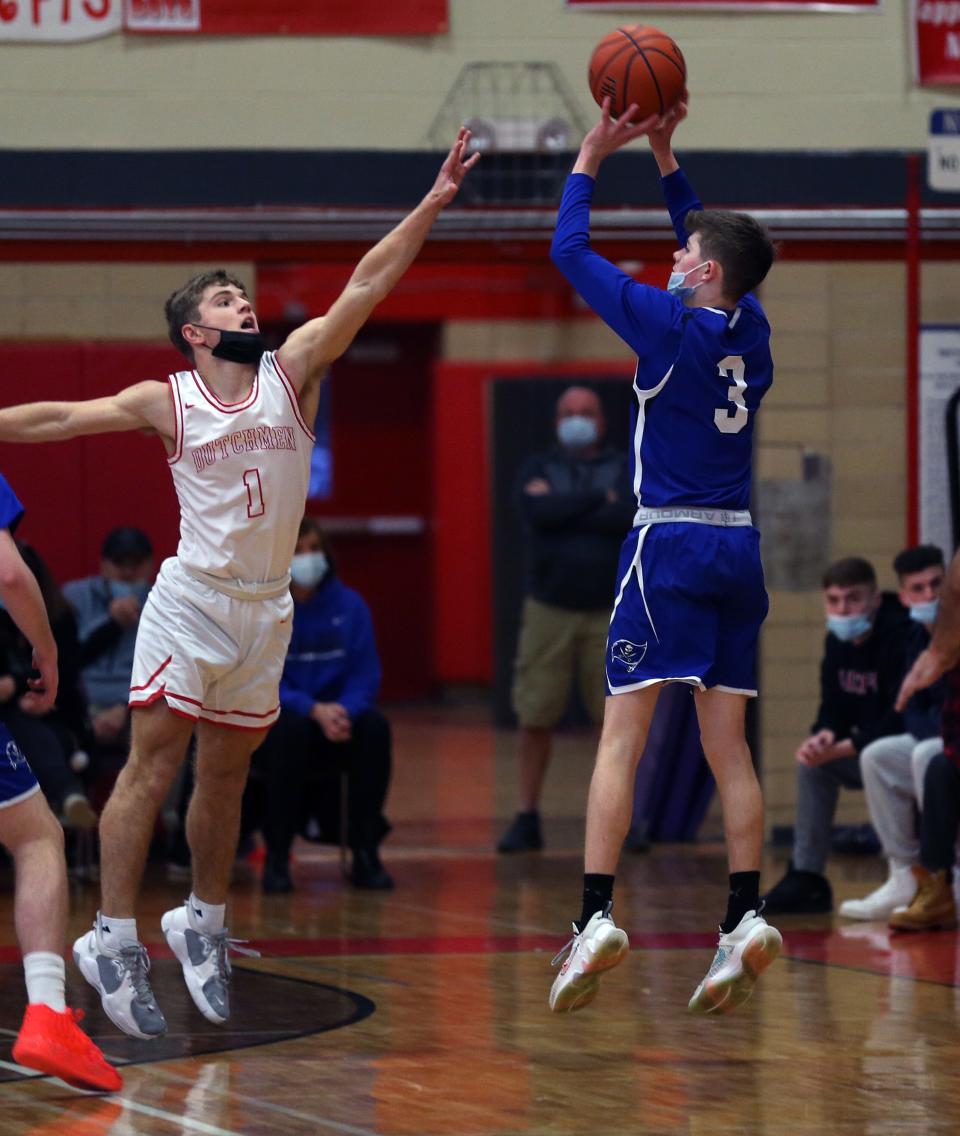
[[14, 756], [630, 654]]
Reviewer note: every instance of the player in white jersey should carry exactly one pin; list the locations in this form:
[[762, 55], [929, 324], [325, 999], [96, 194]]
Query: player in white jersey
[[214, 631]]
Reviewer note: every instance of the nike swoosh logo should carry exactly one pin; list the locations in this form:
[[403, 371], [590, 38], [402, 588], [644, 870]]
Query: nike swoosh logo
[[188, 406]]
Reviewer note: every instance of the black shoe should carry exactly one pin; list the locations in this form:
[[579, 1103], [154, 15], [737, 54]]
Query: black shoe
[[799, 893], [368, 872], [523, 835], [276, 876]]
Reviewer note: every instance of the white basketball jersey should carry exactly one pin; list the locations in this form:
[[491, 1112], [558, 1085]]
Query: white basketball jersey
[[241, 472]]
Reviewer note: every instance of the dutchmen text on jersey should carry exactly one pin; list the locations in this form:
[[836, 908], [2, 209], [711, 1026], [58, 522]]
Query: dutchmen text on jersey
[[241, 472]]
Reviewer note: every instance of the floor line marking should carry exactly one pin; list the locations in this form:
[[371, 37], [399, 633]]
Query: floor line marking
[[282, 1110], [21, 1069], [175, 1119]]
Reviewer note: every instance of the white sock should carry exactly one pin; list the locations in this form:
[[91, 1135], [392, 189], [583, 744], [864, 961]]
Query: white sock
[[45, 974], [115, 932], [206, 917]]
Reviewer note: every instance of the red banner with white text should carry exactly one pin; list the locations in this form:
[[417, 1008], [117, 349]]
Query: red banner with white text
[[287, 17], [936, 41], [747, 5], [72, 21]]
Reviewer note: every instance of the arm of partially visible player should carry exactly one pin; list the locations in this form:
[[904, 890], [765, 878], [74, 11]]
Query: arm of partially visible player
[[21, 596], [312, 347], [943, 654], [144, 406]]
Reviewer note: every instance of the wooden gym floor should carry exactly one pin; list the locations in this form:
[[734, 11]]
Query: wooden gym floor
[[423, 1012]]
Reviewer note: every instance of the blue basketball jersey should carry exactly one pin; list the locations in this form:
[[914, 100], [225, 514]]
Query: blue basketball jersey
[[701, 372], [10, 508]]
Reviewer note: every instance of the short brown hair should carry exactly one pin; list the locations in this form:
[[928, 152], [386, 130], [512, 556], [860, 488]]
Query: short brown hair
[[738, 242], [183, 305], [848, 572], [311, 525]]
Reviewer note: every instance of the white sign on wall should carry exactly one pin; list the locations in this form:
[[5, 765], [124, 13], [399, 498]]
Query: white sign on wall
[[58, 21], [939, 381], [943, 149]]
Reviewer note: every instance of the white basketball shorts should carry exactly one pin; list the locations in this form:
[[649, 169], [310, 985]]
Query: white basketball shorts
[[211, 656]]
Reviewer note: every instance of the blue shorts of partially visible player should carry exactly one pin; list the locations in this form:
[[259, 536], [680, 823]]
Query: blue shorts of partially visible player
[[17, 781], [689, 606]]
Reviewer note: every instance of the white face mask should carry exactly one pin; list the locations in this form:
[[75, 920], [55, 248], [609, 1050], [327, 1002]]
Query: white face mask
[[307, 569], [577, 431], [676, 286]]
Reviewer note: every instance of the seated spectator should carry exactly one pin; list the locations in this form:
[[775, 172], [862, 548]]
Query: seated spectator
[[934, 906], [108, 608], [328, 721], [57, 738], [859, 680], [893, 768]]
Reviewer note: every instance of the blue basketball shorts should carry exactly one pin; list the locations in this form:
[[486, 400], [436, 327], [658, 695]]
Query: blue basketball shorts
[[689, 606], [17, 781]]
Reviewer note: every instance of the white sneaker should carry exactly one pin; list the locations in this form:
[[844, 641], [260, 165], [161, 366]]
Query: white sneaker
[[742, 955], [598, 947], [204, 961], [898, 891], [120, 978]]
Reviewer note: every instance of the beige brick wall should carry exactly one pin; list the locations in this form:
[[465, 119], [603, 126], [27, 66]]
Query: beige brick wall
[[853, 354], [94, 301], [758, 80]]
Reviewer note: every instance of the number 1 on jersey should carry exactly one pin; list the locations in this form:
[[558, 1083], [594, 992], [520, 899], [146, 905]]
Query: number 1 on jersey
[[255, 505], [732, 369]]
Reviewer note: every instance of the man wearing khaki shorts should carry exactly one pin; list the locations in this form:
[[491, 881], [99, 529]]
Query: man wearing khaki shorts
[[577, 504]]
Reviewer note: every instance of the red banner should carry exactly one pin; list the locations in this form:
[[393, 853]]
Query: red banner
[[287, 17], [748, 5], [936, 40]]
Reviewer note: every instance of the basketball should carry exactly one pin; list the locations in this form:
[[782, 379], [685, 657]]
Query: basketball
[[639, 65]]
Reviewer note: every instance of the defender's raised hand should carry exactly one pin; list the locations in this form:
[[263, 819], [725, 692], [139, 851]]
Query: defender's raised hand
[[454, 169]]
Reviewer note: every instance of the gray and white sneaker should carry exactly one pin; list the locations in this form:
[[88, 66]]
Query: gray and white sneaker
[[742, 956], [204, 960], [120, 978], [599, 947]]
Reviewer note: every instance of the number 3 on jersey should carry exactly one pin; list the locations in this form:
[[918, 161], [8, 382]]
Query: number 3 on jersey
[[255, 506], [731, 368]]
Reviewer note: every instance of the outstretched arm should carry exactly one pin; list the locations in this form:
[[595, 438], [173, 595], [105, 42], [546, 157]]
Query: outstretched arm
[[145, 406], [312, 347]]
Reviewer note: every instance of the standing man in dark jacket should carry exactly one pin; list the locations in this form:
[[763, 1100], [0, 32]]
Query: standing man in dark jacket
[[327, 692], [577, 503], [863, 662]]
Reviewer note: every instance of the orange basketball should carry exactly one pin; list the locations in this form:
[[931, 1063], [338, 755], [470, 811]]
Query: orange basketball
[[639, 65]]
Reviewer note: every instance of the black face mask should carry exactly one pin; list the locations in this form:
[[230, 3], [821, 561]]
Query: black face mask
[[237, 346]]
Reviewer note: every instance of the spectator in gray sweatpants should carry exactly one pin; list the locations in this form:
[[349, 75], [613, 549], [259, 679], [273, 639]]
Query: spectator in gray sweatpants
[[860, 673], [893, 768]]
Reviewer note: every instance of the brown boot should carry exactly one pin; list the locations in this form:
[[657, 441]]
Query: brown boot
[[933, 907]]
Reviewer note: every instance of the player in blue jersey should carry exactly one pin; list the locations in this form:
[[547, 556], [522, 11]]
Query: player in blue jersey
[[690, 598], [49, 1039]]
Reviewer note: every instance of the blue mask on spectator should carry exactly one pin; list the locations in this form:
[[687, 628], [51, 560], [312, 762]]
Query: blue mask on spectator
[[925, 612], [849, 627], [577, 432], [307, 569], [119, 589]]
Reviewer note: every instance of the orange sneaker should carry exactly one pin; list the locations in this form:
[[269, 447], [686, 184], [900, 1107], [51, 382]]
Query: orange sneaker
[[54, 1044]]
